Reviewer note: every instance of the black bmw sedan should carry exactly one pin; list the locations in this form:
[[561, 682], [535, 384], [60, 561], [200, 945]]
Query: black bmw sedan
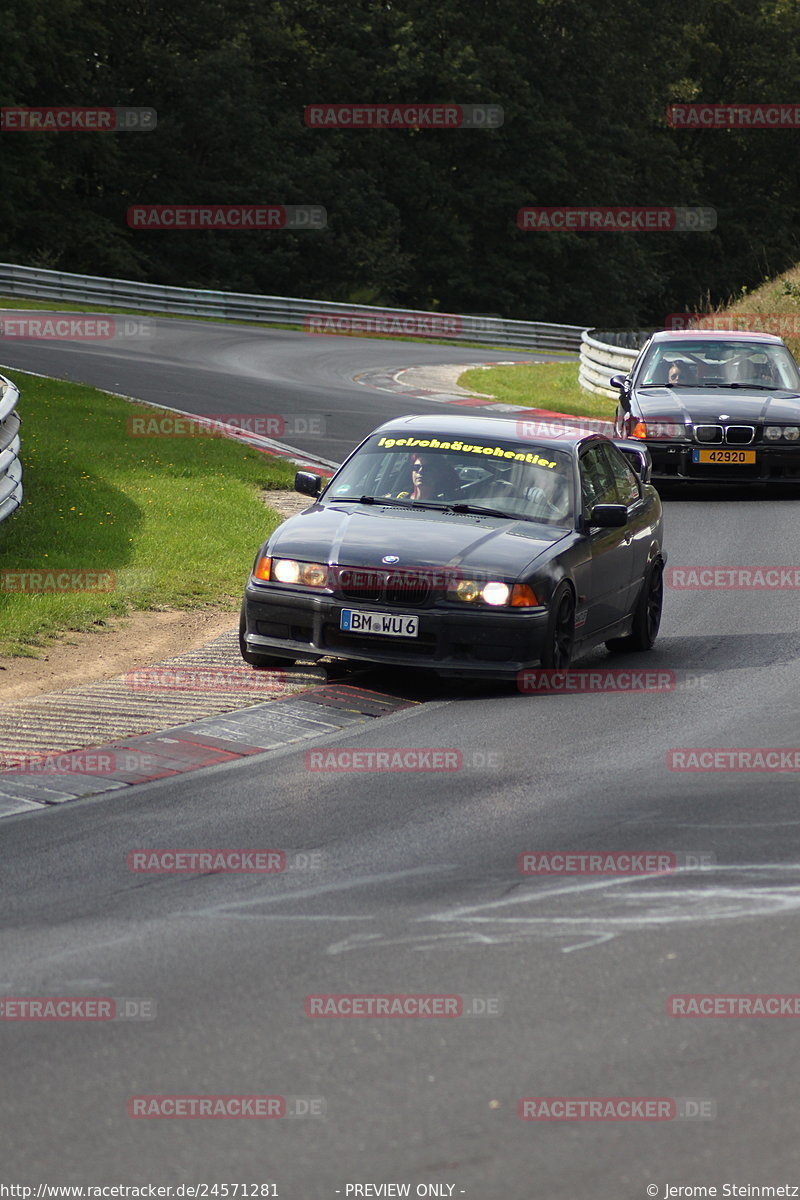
[[464, 545], [714, 406]]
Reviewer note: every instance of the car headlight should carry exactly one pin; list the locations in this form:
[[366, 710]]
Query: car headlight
[[289, 570], [772, 433], [659, 429], [791, 433], [467, 590], [495, 592]]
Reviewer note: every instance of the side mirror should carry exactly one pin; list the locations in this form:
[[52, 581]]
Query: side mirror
[[622, 383], [637, 456], [307, 484], [609, 516]]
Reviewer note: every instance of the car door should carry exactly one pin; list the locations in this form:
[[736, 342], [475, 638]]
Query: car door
[[612, 571], [640, 525]]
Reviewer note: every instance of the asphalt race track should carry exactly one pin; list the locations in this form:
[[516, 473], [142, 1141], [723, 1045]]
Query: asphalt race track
[[408, 882], [210, 369]]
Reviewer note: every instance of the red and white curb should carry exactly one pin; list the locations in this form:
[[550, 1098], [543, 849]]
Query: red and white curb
[[390, 381]]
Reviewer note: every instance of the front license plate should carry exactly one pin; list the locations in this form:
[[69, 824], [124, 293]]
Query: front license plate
[[725, 458], [353, 620]]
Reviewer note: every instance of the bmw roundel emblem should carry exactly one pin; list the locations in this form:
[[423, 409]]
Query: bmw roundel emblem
[[390, 558]]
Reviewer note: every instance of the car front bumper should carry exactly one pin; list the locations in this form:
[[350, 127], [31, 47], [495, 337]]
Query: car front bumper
[[452, 641], [773, 463]]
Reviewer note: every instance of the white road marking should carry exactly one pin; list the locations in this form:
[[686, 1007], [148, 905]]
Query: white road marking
[[638, 903], [231, 908]]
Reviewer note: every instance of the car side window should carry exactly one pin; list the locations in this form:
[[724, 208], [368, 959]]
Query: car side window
[[627, 484], [598, 485]]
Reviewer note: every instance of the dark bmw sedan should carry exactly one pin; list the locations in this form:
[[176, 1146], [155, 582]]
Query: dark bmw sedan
[[456, 544], [714, 406]]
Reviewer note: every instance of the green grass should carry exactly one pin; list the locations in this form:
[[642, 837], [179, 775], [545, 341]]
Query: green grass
[[553, 386], [175, 520]]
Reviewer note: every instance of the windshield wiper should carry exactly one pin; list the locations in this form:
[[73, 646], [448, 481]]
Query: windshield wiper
[[760, 387], [477, 510], [756, 387], [750, 387], [382, 500], [436, 506]]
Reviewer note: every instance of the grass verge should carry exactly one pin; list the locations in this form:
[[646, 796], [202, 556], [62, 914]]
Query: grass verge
[[774, 307], [174, 522], [553, 386]]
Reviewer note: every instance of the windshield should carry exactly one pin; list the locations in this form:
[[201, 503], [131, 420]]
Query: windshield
[[516, 479], [718, 364]]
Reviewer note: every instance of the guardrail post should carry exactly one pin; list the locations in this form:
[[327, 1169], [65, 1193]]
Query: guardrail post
[[10, 463]]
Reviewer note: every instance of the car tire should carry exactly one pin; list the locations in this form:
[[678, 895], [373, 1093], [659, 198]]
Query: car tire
[[647, 614], [261, 662], [560, 636]]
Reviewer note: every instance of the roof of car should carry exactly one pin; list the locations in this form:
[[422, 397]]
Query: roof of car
[[508, 428], [714, 335]]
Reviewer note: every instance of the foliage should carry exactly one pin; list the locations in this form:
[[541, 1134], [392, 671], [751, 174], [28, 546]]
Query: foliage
[[422, 218]]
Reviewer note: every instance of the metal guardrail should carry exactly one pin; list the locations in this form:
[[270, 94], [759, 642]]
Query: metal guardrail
[[10, 465], [33, 282], [600, 358]]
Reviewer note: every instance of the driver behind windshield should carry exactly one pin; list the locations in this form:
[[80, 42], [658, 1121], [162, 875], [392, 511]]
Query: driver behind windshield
[[431, 479]]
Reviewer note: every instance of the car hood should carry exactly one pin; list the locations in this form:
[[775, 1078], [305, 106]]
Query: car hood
[[356, 536], [700, 405]]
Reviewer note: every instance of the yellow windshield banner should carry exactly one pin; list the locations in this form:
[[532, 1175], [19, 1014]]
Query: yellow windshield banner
[[467, 448]]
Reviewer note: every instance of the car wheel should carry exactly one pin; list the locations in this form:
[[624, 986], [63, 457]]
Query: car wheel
[[560, 636], [260, 661], [647, 615]]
